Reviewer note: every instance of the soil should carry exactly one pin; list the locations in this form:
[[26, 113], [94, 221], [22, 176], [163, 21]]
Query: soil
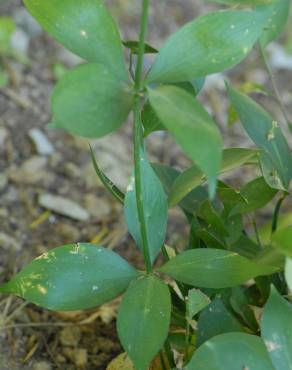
[[30, 337]]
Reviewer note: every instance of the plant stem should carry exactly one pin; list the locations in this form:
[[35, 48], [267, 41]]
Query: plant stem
[[274, 85], [277, 212], [138, 137]]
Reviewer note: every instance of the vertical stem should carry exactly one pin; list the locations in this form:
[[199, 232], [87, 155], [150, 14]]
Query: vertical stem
[[138, 137], [274, 85], [277, 212]]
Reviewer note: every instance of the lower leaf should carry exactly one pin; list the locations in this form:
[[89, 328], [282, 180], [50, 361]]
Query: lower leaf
[[72, 277], [143, 319]]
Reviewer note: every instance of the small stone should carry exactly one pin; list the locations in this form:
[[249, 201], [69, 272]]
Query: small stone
[[42, 365], [63, 206], [20, 41], [7, 242], [80, 358], [99, 208], [70, 336], [70, 233], [3, 181], [41, 142], [25, 21], [30, 172]]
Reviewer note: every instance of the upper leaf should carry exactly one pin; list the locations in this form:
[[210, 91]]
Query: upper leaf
[[192, 128], [231, 351], [84, 27], [209, 44], [90, 101], [72, 277], [276, 330], [213, 268], [267, 135], [155, 209], [143, 319], [280, 10]]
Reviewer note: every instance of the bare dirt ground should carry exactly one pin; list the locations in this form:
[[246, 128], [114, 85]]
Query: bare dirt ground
[[32, 338]]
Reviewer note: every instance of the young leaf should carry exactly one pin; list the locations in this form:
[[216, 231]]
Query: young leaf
[[231, 351], [192, 128], [266, 134], [108, 184], [214, 320], [84, 27], [134, 47], [213, 268], [89, 101], [196, 302], [209, 44], [276, 330], [155, 209], [280, 11], [72, 277], [232, 158], [143, 319], [256, 194]]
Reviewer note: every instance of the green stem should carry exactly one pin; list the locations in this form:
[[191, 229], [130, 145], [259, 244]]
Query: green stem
[[277, 212], [274, 85], [138, 137]]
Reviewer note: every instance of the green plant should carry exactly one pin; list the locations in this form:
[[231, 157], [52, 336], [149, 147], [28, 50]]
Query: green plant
[[213, 326]]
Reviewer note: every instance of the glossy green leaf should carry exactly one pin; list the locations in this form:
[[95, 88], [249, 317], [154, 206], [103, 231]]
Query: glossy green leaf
[[209, 44], [213, 268], [288, 273], [256, 194], [89, 101], [241, 305], [214, 320], [236, 351], [143, 319], [72, 277], [155, 209], [84, 27], [276, 330], [282, 240], [266, 134], [196, 302], [151, 121], [193, 177], [280, 11], [192, 128]]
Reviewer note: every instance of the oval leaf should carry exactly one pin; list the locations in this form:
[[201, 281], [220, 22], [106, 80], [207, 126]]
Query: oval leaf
[[280, 11], [192, 128], [276, 330], [143, 319], [89, 101], [72, 277], [213, 268], [266, 134], [209, 44], [231, 351], [155, 209], [84, 27]]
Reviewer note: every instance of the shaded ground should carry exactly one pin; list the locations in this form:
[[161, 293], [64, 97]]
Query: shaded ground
[[27, 229]]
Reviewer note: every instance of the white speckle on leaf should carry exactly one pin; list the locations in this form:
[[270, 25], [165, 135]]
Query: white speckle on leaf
[[95, 287], [245, 49], [42, 289], [84, 34], [232, 26], [272, 346]]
